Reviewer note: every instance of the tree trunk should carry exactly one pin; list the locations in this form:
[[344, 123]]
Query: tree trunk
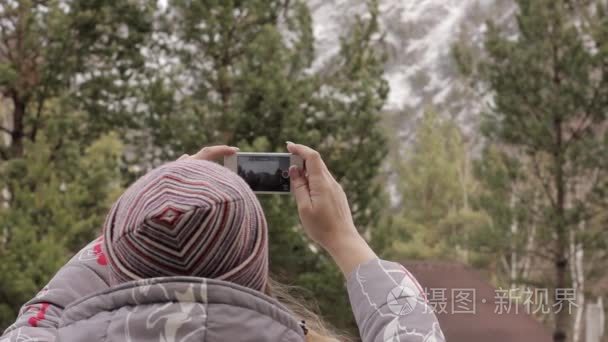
[[577, 251], [514, 257], [578, 282], [17, 134], [562, 317]]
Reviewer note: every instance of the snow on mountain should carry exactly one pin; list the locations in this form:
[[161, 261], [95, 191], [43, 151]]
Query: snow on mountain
[[418, 36]]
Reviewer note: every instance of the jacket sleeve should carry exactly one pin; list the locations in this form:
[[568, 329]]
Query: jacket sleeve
[[39, 318], [390, 305]]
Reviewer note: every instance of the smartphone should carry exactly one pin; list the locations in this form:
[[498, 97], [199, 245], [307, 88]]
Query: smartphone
[[266, 173]]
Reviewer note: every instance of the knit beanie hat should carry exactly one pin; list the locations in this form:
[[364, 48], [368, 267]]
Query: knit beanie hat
[[190, 218]]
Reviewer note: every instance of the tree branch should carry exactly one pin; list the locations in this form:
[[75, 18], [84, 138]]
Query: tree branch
[[545, 185], [4, 129], [36, 123], [583, 126]]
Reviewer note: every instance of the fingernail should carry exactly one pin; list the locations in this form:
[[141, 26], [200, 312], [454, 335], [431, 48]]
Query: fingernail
[[294, 172], [235, 148], [289, 142]]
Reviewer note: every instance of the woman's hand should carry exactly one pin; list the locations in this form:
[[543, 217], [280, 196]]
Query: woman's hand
[[324, 211], [212, 153]]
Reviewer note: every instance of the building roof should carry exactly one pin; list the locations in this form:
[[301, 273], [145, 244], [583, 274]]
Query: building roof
[[482, 321]]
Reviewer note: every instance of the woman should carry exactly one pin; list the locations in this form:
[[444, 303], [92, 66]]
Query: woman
[[184, 257]]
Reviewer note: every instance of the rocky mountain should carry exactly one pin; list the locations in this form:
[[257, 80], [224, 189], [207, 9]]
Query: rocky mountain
[[418, 37]]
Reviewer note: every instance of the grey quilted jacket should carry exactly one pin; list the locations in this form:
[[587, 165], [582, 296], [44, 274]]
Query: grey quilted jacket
[[78, 305]]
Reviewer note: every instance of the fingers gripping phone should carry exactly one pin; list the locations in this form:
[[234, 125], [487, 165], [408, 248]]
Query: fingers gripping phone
[[266, 173]]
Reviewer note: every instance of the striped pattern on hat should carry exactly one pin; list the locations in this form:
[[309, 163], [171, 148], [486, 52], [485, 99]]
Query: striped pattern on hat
[[188, 217]]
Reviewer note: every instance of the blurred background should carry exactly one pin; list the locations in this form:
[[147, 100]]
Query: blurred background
[[470, 136]]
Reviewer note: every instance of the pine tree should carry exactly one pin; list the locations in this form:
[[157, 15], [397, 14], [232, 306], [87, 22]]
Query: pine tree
[[87, 52], [510, 198], [56, 204], [435, 183], [550, 91]]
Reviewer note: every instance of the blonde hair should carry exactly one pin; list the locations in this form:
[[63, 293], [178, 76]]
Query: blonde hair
[[318, 331]]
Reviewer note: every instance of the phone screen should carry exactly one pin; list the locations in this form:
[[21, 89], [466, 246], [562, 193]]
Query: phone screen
[[265, 173]]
